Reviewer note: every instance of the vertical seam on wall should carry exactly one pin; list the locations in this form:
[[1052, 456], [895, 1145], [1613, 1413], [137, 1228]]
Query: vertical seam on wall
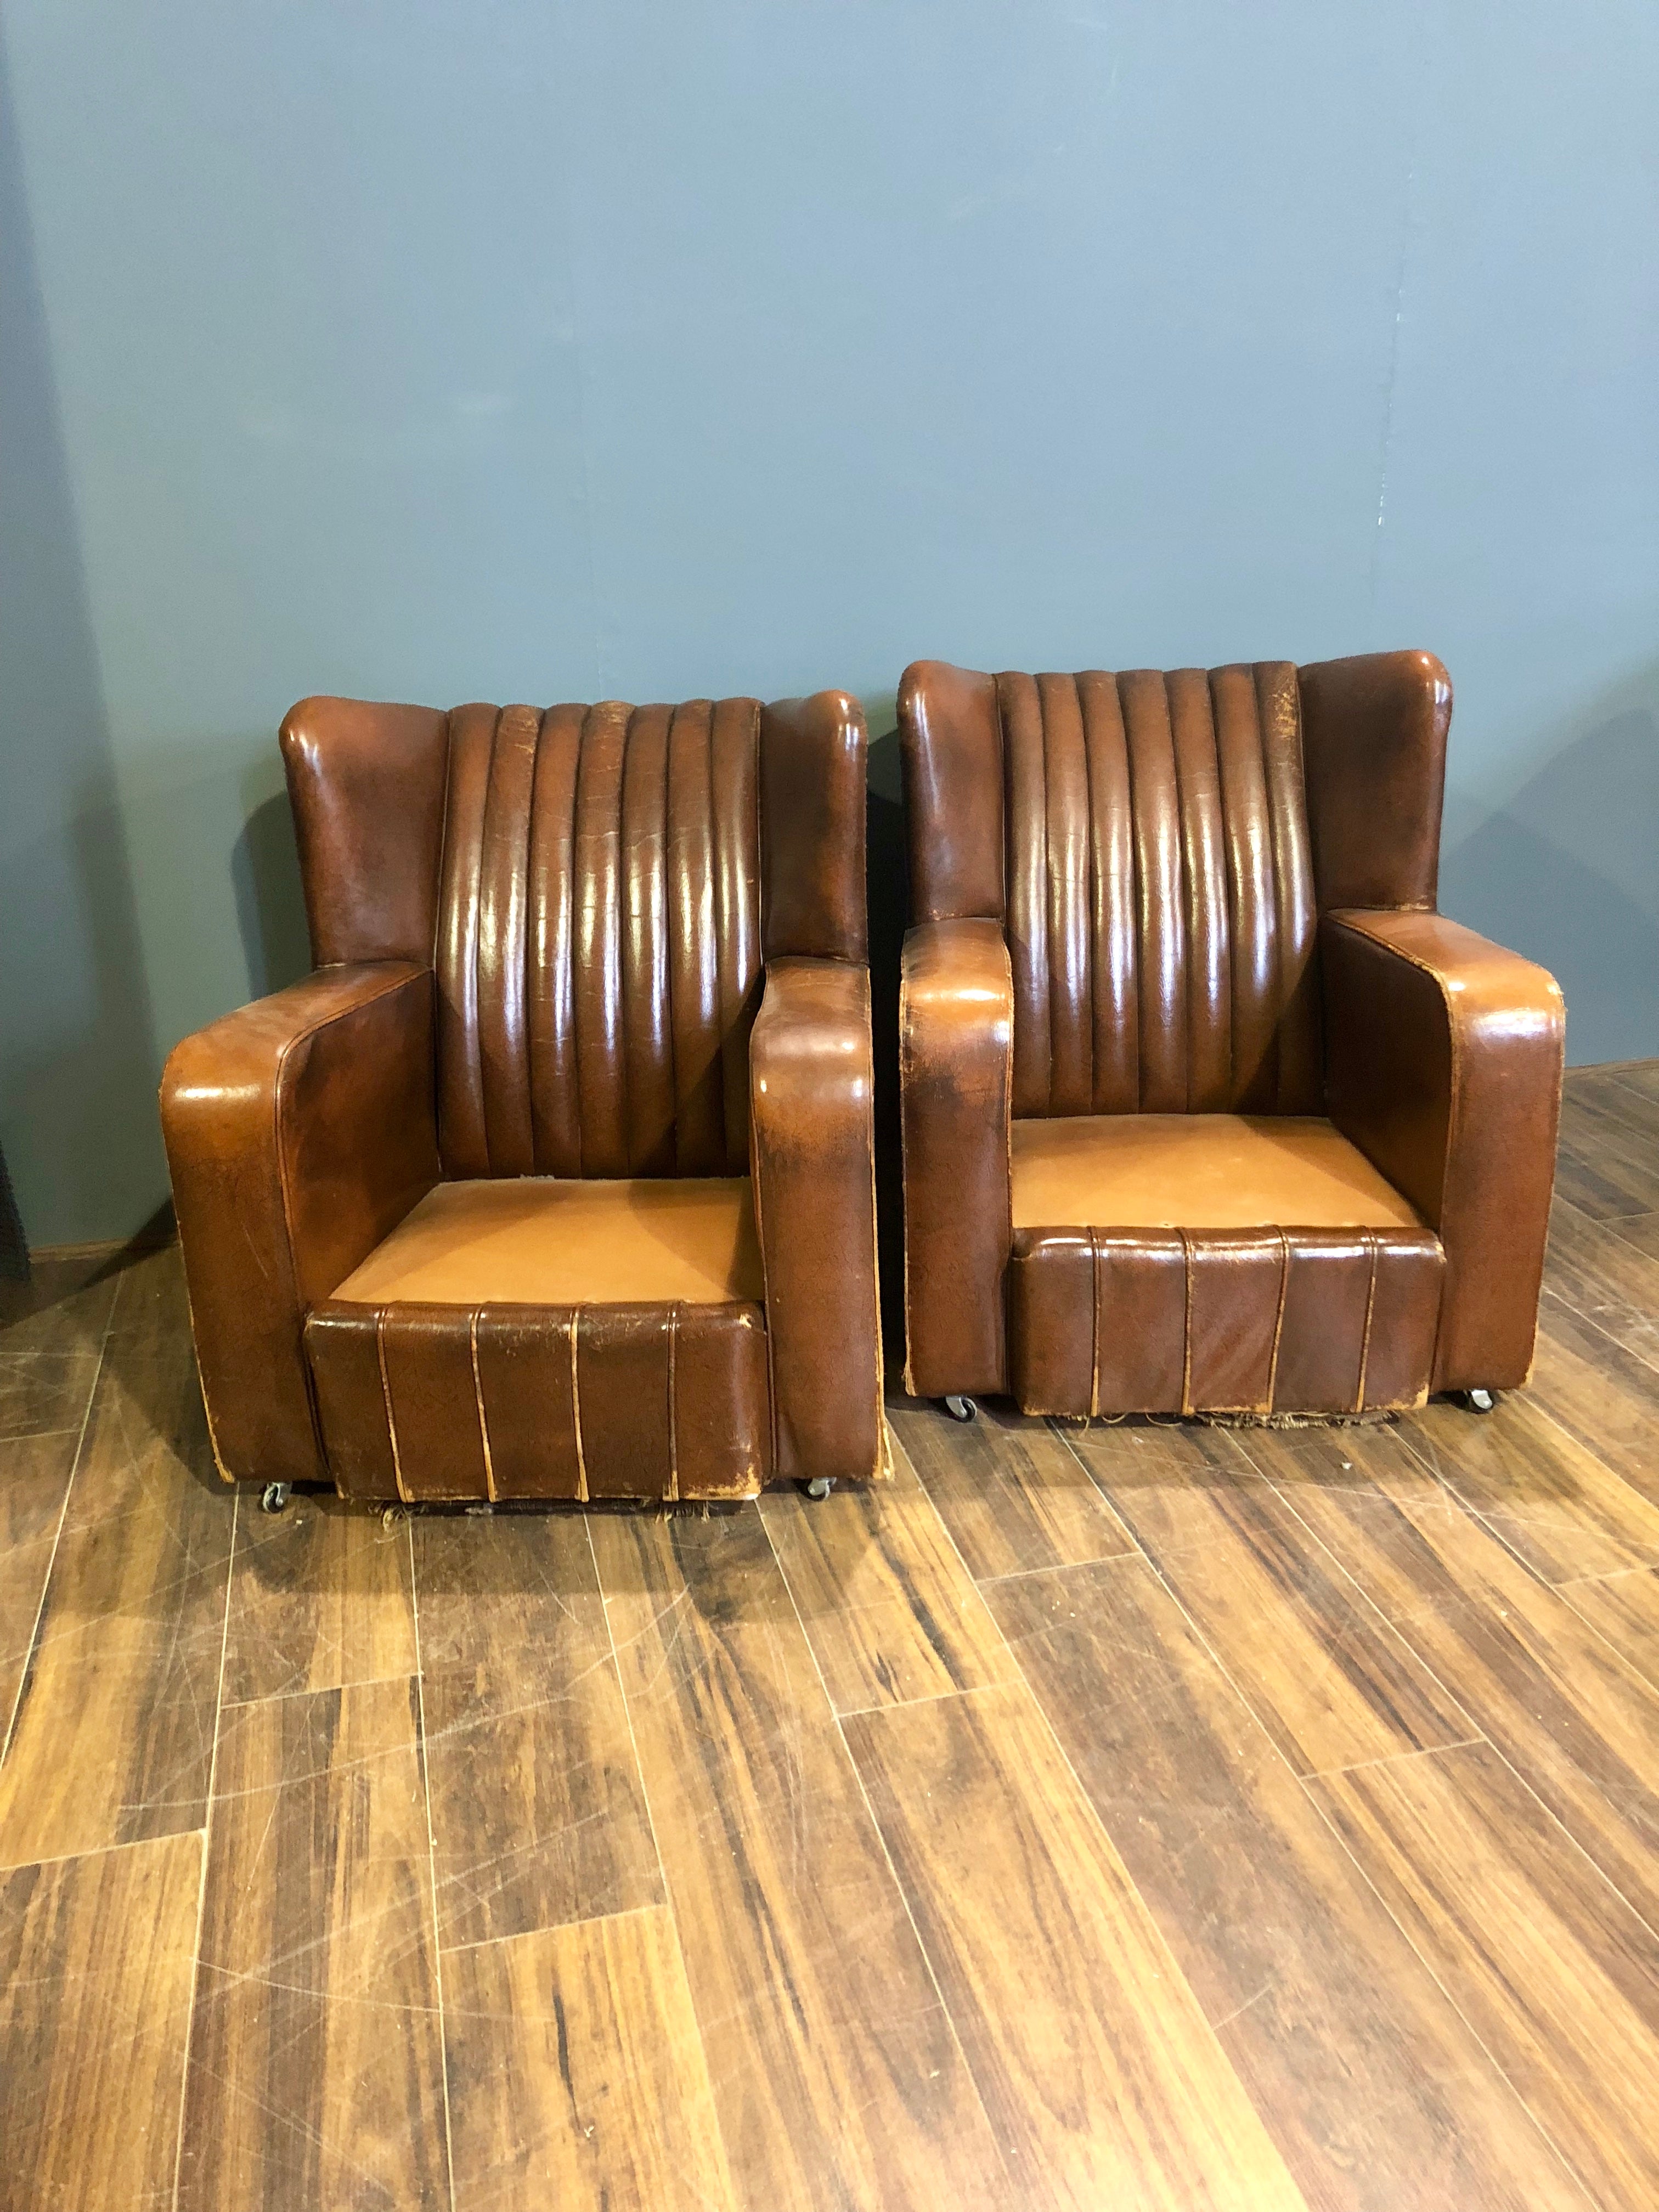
[[1279, 1318], [576, 1408], [484, 1425], [1187, 1331], [673, 1489], [1365, 1339], [386, 1399]]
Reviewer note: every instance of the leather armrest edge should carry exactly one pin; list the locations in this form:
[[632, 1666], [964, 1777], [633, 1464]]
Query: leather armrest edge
[[812, 1134], [955, 1059], [1445, 1058], [298, 1130]]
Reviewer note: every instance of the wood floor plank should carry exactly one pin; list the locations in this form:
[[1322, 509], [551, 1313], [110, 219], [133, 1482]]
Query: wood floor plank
[[1601, 1275], [1375, 2092], [315, 2071], [52, 1332], [1579, 1724], [1010, 1494], [1624, 1609], [538, 1813], [1605, 1166], [112, 1738], [1599, 1392], [1554, 1503], [1330, 1682], [1625, 1093], [889, 1608], [35, 1480], [151, 1308], [1099, 2072], [1639, 1076], [837, 2076], [1554, 1972], [95, 1967], [577, 2075], [1641, 1230], [321, 1595]]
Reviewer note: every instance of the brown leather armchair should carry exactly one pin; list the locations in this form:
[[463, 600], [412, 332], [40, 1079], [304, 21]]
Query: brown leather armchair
[[554, 1180], [1205, 1108]]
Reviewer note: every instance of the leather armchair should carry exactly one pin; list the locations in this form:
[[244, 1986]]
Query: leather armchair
[[554, 1179], [1205, 1108]]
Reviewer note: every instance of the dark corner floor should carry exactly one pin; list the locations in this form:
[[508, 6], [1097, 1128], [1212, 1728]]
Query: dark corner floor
[[1120, 1816]]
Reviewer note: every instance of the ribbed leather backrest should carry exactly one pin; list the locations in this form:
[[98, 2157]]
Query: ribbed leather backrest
[[1160, 905], [598, 944]]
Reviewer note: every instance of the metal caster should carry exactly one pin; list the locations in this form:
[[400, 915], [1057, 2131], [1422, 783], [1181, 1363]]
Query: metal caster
[[274, 1498], [962, 1409], [820, 1486], [1480, 1401]]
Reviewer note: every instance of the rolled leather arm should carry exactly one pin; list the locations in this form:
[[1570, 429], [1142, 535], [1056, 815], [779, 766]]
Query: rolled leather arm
[[1443, 1057], [299, 1131], [812, 1134], [955, 1059]]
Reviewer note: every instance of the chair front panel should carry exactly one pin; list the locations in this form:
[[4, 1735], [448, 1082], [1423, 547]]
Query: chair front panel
[[597, 944], [1259, 1322], [1160, 905]]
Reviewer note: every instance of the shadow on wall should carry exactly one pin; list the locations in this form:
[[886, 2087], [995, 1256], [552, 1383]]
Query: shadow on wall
[[264, 875], [1567, 872], [77, 1063]]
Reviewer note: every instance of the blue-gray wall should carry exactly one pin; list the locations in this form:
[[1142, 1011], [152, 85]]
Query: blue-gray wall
[[531, 350]]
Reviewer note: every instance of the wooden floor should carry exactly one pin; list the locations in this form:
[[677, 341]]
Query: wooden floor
[[1135, 1816]]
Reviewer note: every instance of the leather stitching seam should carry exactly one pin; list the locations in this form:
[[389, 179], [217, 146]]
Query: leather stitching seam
[[391, 1418]]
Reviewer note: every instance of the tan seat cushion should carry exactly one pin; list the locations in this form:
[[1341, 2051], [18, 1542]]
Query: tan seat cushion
[[1198, 1170], [542, 1241]]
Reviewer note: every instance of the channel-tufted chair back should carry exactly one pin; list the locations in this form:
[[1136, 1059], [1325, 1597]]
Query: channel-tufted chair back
[[599, 941], [1145, 840], [596, 889], [1161, 918]]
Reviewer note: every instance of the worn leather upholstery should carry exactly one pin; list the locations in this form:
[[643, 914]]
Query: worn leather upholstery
[[503, 1201], [1205, 1107], [1445, 1069], [812, 1104], [955, 1085]]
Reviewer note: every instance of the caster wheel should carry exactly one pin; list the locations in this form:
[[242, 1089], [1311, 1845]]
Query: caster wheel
[[962, 1409], [820, 1488], [273, 1497], [1480, 1401]]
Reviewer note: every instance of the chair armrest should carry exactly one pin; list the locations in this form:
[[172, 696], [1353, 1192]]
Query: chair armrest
[[1443, 1057], [956, 1082], [813, 1139], [299, 1131]]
